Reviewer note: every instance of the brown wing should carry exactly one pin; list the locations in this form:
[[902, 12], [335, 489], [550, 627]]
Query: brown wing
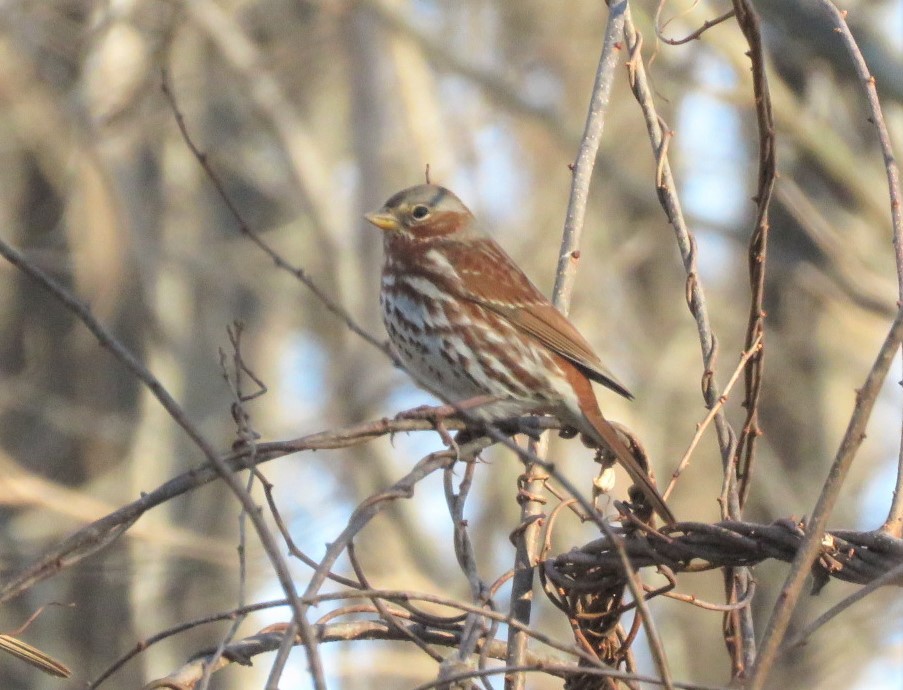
[[492, 279]]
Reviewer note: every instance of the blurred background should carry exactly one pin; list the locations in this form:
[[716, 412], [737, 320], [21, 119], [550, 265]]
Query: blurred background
[[315, 112]]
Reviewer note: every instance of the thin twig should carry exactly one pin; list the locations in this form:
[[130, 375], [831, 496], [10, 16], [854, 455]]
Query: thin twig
[[584, 164], [299, 273], [815, 529], [104, 531], [218, 463], [534, 477], [474, 629], [526, 456], [370, 507], [267, 640], [290, 542], [706, 25], [739, 631], [562, 671], [243, 651], [141, 646], [703, 425], [670, 201], [388, 616], [247, 436], [686, 243], [744, 455], [696, 601], [892, 576], [271, 637]]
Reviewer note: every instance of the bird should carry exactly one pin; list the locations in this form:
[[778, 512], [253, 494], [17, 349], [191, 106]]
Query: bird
[[468, 324]]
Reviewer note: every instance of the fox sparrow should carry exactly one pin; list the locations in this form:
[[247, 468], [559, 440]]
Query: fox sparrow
[[467, 323]]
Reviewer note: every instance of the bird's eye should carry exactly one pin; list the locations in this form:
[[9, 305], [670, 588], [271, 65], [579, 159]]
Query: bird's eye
[[419, 212]]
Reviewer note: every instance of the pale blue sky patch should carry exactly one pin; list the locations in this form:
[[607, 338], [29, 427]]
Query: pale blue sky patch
[[715, 166]]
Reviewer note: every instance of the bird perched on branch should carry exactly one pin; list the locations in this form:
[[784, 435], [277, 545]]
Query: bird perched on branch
[[468, 324]]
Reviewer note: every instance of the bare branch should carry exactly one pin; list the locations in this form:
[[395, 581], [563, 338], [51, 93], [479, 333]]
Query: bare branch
[[744, 455], [815, 529], [877, 119], [706, 25], [104, 531], [143, 374], [894, 576], [299, 273], [739, 632], [564, 671], [244, 650], [533, 480], [703, 425], [586, 157], [894, 522], [686, 242]]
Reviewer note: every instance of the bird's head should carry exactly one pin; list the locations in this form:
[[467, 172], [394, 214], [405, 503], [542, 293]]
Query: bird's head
[[423, 213]]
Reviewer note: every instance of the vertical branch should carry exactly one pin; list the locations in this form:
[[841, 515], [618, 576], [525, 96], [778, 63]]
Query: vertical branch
[[865, 398], [894, 522], [686, 243], [534, 477], [474, 628], [877, 119], [749, 24], [586, 157], [247, 435], [739, 633], [742, 649], [815, 529]]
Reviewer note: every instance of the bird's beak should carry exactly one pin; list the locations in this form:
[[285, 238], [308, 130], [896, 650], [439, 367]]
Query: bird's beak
[[382, 220]]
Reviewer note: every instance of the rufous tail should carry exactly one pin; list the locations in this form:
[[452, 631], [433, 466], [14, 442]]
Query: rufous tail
[[606, 434], [602, 432]]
